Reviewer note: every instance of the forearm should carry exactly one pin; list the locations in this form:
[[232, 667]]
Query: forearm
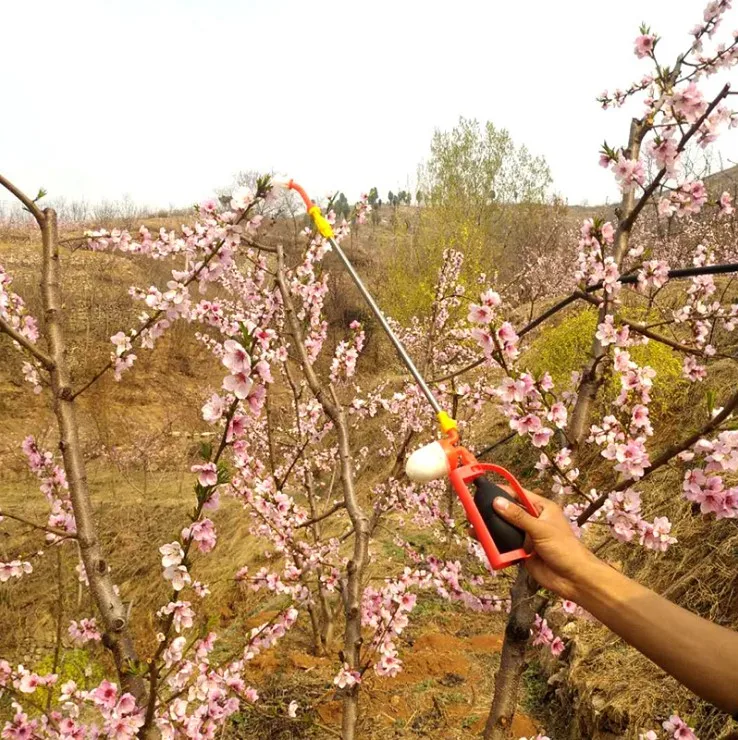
[[699, 654]]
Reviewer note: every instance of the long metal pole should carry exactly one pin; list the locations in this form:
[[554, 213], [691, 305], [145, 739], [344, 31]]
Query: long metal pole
[[409, 364]]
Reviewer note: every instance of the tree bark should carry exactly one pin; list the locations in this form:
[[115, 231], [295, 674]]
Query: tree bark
[[524, 601], [525, 605], [591, 380], [117, 636]]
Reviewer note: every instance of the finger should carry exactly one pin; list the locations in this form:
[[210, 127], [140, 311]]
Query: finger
[[516, 515], [538, 501]]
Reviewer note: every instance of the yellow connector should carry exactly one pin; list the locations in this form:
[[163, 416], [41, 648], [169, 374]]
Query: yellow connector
[[321, 223], [446, 422]]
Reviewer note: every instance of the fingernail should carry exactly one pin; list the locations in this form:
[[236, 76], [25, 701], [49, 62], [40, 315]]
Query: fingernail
[[501, 503]]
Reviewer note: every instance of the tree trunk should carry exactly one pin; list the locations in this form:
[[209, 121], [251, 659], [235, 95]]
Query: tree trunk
[[524, 602], [117, 636], [525, 605], [591, 381]]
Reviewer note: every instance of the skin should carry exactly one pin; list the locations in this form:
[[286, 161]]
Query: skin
[[699, 654]]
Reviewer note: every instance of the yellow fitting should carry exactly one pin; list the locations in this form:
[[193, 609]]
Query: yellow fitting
[[321, 223], [446, 422]]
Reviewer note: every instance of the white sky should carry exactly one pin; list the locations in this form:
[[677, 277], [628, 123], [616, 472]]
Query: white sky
[[164, 100]]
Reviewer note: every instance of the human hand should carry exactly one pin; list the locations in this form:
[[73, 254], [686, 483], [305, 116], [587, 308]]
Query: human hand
[[559, 558]]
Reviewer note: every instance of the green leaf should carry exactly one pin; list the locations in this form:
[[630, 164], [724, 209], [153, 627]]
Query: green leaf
[[206, 450], [42, 192], [246, 335], [224, 474]]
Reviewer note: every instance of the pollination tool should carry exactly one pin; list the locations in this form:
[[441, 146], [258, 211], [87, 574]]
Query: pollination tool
[[502, 542]]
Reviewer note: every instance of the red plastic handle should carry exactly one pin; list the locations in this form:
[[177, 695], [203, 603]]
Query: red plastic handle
[[463, 475], [292, 185]]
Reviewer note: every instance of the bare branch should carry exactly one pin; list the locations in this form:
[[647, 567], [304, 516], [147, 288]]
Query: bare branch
[[51, 530], [644, 330], [325, 515], [117, 634], [43, 358], [32, 208]]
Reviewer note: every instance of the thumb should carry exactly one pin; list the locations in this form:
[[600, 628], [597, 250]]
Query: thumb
[[515, 514]]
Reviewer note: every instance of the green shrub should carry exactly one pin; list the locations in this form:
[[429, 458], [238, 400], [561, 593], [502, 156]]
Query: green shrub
[[565, 348]]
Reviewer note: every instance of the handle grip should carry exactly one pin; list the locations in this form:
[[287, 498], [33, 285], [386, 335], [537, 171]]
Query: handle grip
[[505, 536], [502, 543]]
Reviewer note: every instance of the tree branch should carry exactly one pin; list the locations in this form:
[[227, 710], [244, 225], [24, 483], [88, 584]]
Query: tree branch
[[31, 207], [117, 636], [352, 589], [42, 527], [630, 219], [43, 358], [325, 515], [665, 457], [644, 330]]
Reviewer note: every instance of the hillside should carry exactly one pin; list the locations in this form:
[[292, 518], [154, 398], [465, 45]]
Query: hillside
[[139, 472]]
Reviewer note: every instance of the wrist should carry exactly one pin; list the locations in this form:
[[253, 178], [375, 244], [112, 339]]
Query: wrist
[[589, 573]]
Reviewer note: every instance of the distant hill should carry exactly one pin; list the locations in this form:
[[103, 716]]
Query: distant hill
[[723, 180]]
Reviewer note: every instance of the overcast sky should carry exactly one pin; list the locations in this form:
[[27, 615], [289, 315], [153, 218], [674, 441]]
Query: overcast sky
[[164, 100]]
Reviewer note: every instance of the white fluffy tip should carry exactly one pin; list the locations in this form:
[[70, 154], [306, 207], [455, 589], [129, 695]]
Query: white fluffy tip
[[427, 463]]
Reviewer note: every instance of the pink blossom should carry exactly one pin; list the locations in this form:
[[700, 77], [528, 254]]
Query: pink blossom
[[628, 173], [656, 536], [242, 198], [542, 437], [202, 533], [236, 358], [14, 569], [692, 370], [105, 695], [726, 204], [84, 631], [181, 613], [207, 474], [480, 314], [557, 647], [213, 409], [508, 338], [264, 371], [644, 45], [606, 331], [678, 728], [172, 554], [689, 102], [346, 678], [558, 415], [239, 384], [490, 298], [178, 575]]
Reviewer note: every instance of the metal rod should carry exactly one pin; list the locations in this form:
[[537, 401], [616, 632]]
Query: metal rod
[[409, 364], [681, 272]]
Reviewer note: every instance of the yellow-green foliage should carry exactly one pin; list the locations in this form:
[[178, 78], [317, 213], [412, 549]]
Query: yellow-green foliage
[[564, 348], [406, 293], [76, 665]]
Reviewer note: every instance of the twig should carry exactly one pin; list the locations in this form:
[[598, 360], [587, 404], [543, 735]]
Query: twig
[[51, 530], [325, 515], [43, 358], [649, 191], [665, 457], [32, 208]]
